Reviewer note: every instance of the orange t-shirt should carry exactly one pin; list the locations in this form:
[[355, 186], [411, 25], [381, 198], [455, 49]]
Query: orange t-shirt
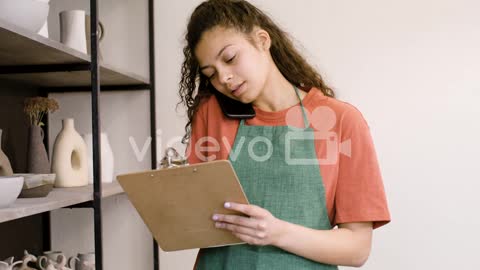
[[346, 156]]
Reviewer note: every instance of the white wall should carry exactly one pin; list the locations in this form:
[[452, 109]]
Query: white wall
[[412, 68], [170, 24]]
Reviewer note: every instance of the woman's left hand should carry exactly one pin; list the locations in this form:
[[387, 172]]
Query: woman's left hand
[[260, 228]]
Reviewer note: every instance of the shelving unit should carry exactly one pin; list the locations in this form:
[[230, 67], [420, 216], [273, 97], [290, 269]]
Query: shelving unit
[[53, 67], [37, 60], [58, 198]]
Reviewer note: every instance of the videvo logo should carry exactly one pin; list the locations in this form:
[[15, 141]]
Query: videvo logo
[[323, 120]]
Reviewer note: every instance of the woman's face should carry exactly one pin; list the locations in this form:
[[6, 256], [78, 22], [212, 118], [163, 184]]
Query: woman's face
[[233, 65]]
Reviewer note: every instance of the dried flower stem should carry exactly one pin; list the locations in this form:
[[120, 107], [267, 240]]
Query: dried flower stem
[[35, 108]]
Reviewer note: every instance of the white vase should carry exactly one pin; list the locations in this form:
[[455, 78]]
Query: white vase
[[28, 14], [72, 29], [70, 160], [106, 155]]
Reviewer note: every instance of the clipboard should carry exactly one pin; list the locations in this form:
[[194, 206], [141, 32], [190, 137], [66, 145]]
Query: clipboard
[[177, 203]]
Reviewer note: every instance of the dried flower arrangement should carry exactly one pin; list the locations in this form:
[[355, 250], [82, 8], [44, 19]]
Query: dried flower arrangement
[[37, 107]]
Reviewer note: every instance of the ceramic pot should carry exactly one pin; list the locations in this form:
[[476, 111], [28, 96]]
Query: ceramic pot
[[36, 185], [10, 187], [69, 160], [9, 264], [72, 29], [27, 258], [37, 158], [28, 14], [84, 261], [56, 257], [5, 166], [107, 158]]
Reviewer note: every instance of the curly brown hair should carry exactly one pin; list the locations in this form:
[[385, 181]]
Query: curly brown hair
[[241, 16]]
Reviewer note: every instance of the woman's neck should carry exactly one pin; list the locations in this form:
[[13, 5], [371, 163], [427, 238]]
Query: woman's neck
[[278, 93]]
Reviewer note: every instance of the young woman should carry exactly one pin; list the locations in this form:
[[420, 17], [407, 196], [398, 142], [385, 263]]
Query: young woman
[[306, 161]]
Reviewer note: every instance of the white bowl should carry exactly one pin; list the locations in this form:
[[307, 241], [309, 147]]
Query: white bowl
[[28, 14], [10, 187]]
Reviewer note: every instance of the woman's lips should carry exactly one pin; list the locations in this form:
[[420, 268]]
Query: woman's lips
[[239, 90]]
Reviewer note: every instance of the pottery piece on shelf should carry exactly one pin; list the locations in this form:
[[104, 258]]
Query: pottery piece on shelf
[[72, 29], [26, 259], [7, 145], [28, 14], [8, 264], [34, 180], [52, 260], [69, 160], [9, 260], [107, 158], [83, 261], [5, 166], [10, 187], [36, 185], [37, 158], [37, 192]]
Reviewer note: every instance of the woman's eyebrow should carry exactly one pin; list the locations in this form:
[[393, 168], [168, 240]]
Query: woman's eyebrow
[[218, 55]]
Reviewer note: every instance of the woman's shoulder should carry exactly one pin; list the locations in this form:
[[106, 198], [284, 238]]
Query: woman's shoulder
[[334, 110], [210, 112], [209, 107]]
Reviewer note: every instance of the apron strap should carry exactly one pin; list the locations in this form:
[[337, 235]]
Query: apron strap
[[305, 118]]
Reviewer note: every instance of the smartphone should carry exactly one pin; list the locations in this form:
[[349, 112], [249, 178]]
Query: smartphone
[[233, 108]]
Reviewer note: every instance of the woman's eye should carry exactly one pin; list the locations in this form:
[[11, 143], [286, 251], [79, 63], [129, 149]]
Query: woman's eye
[[211, 76], [231, 59]]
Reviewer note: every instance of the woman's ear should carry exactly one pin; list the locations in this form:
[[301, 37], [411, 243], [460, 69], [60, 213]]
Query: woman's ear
[[262, 38]]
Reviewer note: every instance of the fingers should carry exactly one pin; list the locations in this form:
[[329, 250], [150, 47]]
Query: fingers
[[248, 209], [246, 234], [252, 229], [233, 219]]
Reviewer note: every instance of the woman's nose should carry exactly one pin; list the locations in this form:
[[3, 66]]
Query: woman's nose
[[226, 77]]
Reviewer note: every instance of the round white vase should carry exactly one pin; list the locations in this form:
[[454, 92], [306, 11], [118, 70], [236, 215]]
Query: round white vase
[[106, 155], [70, 160], [28, 14], [72, 29]]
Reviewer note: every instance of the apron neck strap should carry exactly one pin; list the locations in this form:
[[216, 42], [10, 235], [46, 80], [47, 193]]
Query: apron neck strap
[[305, 118]]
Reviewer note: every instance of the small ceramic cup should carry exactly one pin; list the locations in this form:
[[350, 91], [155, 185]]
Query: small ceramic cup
[[83, 261], [56, 256]]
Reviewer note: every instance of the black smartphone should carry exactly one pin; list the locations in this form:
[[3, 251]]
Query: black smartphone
[[233, 108]]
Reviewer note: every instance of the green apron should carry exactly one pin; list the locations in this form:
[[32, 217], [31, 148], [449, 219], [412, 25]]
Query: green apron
[[271, 179]]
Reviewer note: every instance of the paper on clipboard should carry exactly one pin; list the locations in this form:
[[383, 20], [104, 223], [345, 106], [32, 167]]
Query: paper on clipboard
[[177, 203]]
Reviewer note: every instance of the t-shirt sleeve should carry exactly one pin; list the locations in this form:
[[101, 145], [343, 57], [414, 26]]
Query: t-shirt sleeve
[[360, 194], [195, 151]]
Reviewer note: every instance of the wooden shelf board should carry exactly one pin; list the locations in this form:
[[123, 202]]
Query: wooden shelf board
[[58, 198], [19, 47]]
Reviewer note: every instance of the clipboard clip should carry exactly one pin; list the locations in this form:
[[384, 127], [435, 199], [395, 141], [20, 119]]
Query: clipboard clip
[[172, 159]]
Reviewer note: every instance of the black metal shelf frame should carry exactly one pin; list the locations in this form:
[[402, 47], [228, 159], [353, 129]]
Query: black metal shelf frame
[[95, 89]]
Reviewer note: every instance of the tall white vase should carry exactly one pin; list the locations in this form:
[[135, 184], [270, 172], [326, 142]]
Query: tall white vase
[[72, 29], [70, 160], [107, 158]]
